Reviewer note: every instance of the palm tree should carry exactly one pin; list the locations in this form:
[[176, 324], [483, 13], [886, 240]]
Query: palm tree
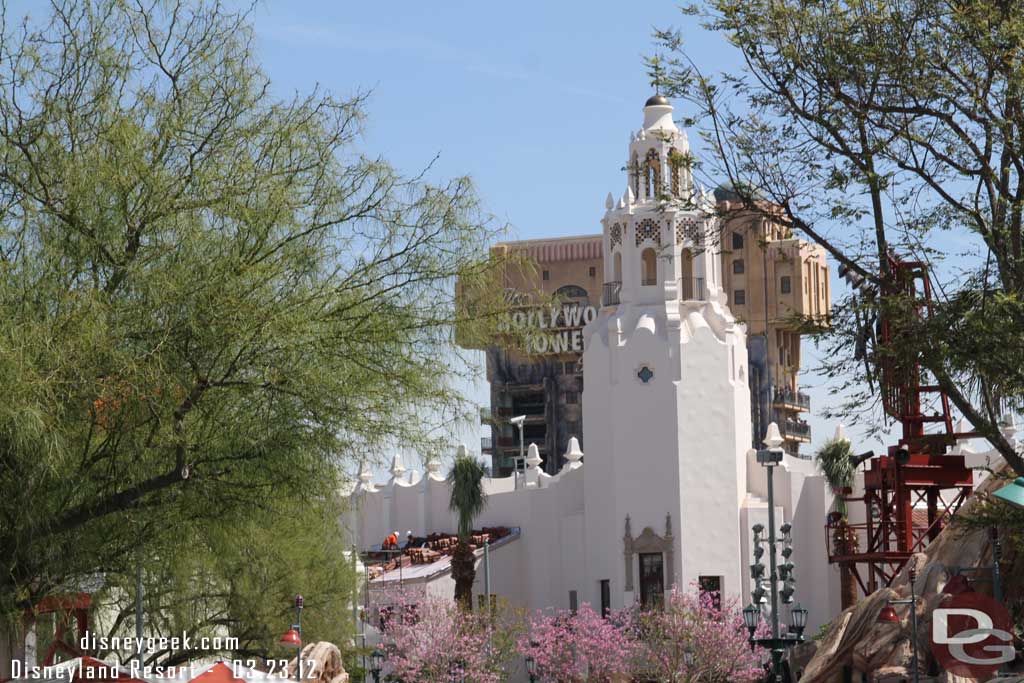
[[835, 464], [467, 500]]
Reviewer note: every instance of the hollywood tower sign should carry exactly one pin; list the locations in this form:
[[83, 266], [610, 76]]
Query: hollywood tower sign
[[552, 329]]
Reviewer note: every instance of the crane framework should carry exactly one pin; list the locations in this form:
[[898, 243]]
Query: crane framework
[[914, 491]]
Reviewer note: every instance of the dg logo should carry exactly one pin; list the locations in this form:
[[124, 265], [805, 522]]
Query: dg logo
[[972, 636]]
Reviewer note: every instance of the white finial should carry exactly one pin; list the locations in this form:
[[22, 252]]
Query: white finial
[[397, 467], [643, 135], [609, 201], [622, 203], [432, 465], [840, 434], [630, 197], [533, 456], [462, 451], [772, 439], [573, 454], [365, 475]]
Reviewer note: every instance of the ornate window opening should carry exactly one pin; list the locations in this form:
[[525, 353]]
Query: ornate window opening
[[649, 267], [652, 580], [689, 230], [615, 235], [617, 267], [649, 542], [648, 229], [675, 165], [645, 374], [652, 174]]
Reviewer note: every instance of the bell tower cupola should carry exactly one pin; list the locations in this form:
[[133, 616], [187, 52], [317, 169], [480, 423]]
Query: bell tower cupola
[[659, 240]]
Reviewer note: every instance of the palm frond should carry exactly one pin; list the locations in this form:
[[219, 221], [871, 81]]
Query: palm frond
[[467, 496], [834, 463]]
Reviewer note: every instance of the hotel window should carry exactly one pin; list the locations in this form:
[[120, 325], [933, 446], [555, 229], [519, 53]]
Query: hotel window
[[593, 271], [606, 597], [739, 297], [571, 397], [652, 580], [737, 266], [712, 585], [546, 275], [785, 284], [573, 602], [737, 240]]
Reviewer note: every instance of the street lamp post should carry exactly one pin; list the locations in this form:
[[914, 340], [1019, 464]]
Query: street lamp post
[[888, 615], [456, 671], [519, 421], [958, 583], [293, 637], [376, 664], [531, 668], [776, 643]]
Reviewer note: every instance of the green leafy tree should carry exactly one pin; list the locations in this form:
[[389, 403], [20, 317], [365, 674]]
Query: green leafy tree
[[467, 501], [875, 128], [208, 296], [238, 578]]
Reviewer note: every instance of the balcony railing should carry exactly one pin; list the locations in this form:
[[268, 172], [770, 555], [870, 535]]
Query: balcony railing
[[610, 293], [787, 396], [797, 429], [692, 289]]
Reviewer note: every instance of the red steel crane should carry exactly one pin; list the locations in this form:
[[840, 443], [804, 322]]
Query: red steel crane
[[914, 491]]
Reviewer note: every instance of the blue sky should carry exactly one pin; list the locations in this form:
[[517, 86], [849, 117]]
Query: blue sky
[[533, 100]]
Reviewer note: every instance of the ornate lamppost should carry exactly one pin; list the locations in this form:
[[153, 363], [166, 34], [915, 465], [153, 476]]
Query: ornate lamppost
[[293, 637], [376, 664], [888, 616], [778, 642], [531, 668]]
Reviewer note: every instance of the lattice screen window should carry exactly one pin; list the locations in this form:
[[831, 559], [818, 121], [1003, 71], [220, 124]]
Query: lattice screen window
[[648, 229], [687, 229], [616, 235]]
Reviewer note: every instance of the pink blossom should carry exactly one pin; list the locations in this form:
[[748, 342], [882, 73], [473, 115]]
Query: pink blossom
[[714, 636], [426, 637], [583, 646]]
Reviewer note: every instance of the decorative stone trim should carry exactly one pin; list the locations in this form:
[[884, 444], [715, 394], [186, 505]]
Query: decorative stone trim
[[644, 369], [648, 229], [687, 228], [616, 235], [649, 542]]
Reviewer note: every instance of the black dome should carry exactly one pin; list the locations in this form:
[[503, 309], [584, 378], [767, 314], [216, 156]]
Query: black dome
[[655, 100]]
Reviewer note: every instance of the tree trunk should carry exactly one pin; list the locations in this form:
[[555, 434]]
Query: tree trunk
[[845, 540], [464, 573]]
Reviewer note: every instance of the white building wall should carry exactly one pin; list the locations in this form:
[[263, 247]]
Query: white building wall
[[675, 446]]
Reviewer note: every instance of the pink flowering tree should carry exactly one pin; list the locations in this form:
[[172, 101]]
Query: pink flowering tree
[[570, 648], [695, 639], [427, 637]]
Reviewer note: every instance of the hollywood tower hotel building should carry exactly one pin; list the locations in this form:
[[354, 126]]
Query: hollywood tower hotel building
[[667, 491]]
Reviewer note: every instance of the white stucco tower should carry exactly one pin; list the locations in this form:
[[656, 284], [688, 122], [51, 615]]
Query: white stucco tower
[[666, 404]]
